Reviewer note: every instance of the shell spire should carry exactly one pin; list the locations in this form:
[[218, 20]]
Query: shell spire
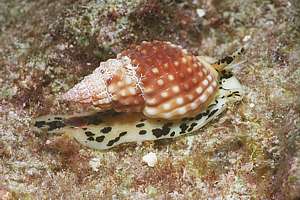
[[157, 78], [93, 89]]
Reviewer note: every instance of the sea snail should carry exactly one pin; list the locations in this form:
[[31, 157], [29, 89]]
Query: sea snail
[[156, 90]]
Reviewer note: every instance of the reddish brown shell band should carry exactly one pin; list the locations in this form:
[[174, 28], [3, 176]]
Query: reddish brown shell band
[[174, 82]]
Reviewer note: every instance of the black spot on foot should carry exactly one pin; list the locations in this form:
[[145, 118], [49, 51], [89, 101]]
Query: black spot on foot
[[106, 129], [100, 138], [227, 59], [226, 74], [165, 130], [55, 125], [111, 142], [89, 133], [52, 125], [140, 125], [211, 105], [157, 132], [199, 116], [212, 113], [183, 128], [123, 133], [192, 126], [142, 132], [90, 138], [242, 50], [39, 124], [172, 134], [236, 93], [117, 139]]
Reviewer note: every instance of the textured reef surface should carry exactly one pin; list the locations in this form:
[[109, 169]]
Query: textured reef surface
[[252, 151]]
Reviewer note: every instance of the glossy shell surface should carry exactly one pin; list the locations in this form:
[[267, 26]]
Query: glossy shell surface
[[159, 79]]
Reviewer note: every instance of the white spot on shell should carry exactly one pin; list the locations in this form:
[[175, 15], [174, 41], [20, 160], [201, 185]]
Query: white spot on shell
[[203, 98], [181, 110], [167, 115], [176, 89], [151, 101], [179, 101], [120, 83], [166, 106], [210, 89], [171, 77], [194, 105], [150, 111], [164, 94], [190, 97], [132, 91], [166, 65], [199, 90], [155, 70], [128, 80], [194, 80], [205, 82], [176, 63], [183, 60], [209, 77], [214, 84], [189, 70], [123, 93], [148, 90], [160, 82]]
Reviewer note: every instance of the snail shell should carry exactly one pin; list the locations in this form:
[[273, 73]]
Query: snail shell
[[159, 79]]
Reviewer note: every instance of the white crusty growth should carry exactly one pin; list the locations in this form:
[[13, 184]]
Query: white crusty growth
[[93, 88]]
